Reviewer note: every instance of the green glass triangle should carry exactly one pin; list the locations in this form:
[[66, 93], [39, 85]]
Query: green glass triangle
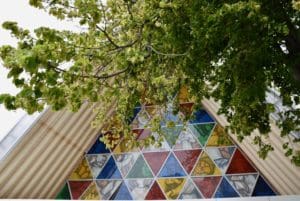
[[64, 194], [202, 131], [171, 134], [140, 169]]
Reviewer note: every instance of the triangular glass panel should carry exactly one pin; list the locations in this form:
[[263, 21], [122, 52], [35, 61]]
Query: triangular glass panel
[[107, 188], [96, 162], [183, 95], [202, 131], [156, 160], [81, 172], [125, 162], [239, 164], [188, 158], [207, 185], [140, 169], [122, 193], [91, 193], [135, 112], [138, 187], [110, 170], [169, 116], [137, 133], [221, 156], [125, 146], [157, 147], [186, 108], [98, 148], [201, 116], [219, 138], [112, 140], [262, 188], [171, 134], [141, 119], [78, 187], [171, 186], [153, 110], [155, 193], [225, 190], [187, 140], [189, 191], [144, 134], [205, 166], [64, 193], [172, 168], [243, 183]]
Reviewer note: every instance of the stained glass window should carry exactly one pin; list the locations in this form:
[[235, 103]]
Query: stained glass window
[[199, 161]]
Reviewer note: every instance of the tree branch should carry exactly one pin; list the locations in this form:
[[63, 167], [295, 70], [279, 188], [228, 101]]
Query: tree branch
[[112, 75], [107, 36], [166, 54], [101, 67], [94, 76], [118, 47]]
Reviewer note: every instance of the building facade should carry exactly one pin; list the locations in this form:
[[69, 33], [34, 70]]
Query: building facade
[[60, 156]]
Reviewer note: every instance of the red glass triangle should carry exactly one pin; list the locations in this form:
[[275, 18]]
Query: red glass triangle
[[144, 134], [207, 185], [188, 158], [137, 132], [239, 164], [186, 108], [155, 193], [156, 160], [78, 187]]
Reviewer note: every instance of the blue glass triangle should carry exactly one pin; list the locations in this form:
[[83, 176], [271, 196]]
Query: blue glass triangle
[[98, 148], [135, 112], [262, 188], [225, 190], [169, 116], [172, 168], [201, 116], [110, 170], [171, 134], [122, 193]]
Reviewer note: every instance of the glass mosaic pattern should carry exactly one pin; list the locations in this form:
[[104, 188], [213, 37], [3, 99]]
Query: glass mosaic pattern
[[199, 161]]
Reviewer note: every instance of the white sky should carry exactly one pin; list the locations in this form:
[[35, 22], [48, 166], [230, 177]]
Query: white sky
[[30, 18]]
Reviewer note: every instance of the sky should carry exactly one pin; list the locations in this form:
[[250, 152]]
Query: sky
[[30, 18]]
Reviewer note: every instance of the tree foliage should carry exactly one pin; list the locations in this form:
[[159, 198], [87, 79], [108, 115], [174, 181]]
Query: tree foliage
[[133, 51]]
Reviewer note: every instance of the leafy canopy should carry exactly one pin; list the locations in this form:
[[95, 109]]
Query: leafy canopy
[[133, 51]]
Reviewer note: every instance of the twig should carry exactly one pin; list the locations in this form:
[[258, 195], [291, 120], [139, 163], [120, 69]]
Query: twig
[[166, 54], [112, 75]]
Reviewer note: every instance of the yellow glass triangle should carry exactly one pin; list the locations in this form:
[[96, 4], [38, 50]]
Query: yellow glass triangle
[[183, 95], [171, 187], [82, 171], [152, 110], [124, 147], [219, 138], [91, 193], [205, 166]]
